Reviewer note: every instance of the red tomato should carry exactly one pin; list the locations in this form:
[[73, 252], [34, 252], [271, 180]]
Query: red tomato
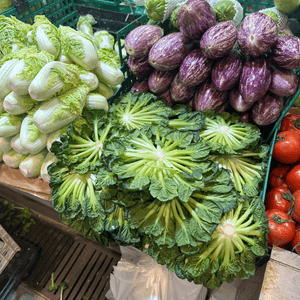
[[279, 198], [277, 176], [296, 241], [291, 122], [282, 227], [296, 212], [287, 147], [293, 179]]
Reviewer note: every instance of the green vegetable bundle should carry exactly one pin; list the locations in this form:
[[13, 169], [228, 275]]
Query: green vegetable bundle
[[156, 176]]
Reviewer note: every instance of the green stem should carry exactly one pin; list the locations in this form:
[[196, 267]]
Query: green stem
[[83, 141], [236, 240], [180, 167]]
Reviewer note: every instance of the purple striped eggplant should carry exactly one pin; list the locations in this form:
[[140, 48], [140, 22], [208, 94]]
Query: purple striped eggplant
[[195, 68], [255, 79], [167, 97], [284, 83], [286, 53], [257, 34], [168, 53], [226, 72], [140, 67], [140, 87], [160, 81], [195, 17], [140, 40], [218, 40], [181, 93], [245, 116], [207, 97], [267, 110], [237, 102]]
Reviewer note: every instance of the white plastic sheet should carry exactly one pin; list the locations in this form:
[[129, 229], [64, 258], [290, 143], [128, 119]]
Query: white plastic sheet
[[139, 277]]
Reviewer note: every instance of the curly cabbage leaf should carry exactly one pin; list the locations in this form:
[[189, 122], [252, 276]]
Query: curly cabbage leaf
[[85, 23], [79, 47], [13, 34], [104, 40]]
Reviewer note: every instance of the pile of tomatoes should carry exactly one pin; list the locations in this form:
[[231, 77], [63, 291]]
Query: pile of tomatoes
[[283, 199]]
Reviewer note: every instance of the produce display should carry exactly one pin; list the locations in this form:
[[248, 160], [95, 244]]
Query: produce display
[[248, 69], [174, 166], [283, 198], [48, 75], [169, 181]]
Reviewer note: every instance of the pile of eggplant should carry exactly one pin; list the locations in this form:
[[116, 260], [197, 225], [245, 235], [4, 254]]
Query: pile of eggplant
[[215, 65]]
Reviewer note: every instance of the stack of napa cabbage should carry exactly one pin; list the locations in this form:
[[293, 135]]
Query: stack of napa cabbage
[[47, 76]]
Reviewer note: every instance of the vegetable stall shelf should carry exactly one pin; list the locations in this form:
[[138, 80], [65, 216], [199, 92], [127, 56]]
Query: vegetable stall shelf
[[268, 132]]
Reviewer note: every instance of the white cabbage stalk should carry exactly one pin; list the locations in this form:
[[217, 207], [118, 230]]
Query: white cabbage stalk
[[18, 86], [85, 23], [31, 165], [103, 39], [117, 48], [5, 145], [31, 138], [55, 136], [29, 37], [45, 35], [96, 101], [109, 74], [64, 59], [91, 79], [9, 125], [60, 111], [116, 87], [27, 69], [50, 159], [105, 90], [17, 105], [5, 71], [78, 47], [54, 78], [13, 158], [16, 145]]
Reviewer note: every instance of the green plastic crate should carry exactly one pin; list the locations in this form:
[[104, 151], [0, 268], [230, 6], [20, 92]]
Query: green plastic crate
[[251, 6], [123, 6], [59, 12]]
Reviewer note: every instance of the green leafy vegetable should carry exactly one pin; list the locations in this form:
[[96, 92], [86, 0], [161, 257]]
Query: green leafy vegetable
[[53, 286], [85, 23], [13, 34], [104, 40], [87, 149], [248, 168], [62, 287], [45, 35], [164, 160], [238, 239], [228, 135]]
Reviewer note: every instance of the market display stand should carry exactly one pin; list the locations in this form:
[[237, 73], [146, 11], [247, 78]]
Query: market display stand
[[82, 263]]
